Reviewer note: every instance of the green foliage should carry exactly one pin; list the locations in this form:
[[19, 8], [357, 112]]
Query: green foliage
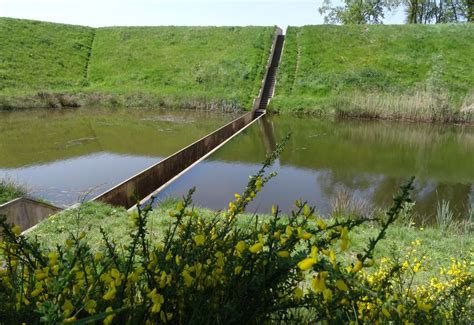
[[208, 270], [39, 56], [378, 71], [9, 191], [438, 11], [212, 63], [417, 11], [356, 12], [54, 65]]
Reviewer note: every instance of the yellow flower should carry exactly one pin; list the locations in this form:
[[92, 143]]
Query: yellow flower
[[274, 210], [303, 234], [97, 256], [41, 273], [16, 230], [109, 318], [134, 217], [199, 239], [327, 294], [67, 307], [332, 257], [255, 248], [188, 279], [344, 239], [90, 306], [69, 320], [306, 263], [357, 267], [416, 267], [258, 184], [110, 294], [298, 294], [37, 291], [341, 285], [319, 281], [232, 207], [423, 306], [237, 270], [321, 224], [241, 246], [306, 211], [283, 254], [157, 300]]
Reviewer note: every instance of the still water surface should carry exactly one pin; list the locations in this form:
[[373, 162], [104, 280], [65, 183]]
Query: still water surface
[[71, 155], [66, 156], [363, 161]]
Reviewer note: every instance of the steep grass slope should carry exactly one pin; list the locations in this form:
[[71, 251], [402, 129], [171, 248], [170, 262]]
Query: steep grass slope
[[39, 56], [53, 65], [399, 71], [182, 65]]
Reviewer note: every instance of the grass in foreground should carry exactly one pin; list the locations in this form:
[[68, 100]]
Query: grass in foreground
[[408, 72], [204, 268], [55, 65], [440, 245], [10, 191]]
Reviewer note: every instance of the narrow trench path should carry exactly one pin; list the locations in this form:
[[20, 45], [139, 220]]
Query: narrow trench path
[[144, 185]]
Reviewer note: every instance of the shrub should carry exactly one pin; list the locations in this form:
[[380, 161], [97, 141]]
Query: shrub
[[226, 270]]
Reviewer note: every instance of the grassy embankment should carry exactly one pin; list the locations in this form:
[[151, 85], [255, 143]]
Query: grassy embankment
[[436, 242], [10, 191], [410, 72], [56, 65]]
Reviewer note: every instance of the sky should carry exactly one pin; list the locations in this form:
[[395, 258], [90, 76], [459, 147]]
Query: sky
[[98, 13]]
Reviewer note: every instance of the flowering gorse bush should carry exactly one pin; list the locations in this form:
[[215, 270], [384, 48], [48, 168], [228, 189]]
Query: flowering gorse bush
[[226, 269]]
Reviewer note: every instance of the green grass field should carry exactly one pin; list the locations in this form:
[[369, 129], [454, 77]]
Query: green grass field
[[438, 244], [10, 191], [54, 65], [39, 56], [182, 64], [400, 71]]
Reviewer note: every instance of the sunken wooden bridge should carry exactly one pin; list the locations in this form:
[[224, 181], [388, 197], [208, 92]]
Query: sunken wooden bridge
[[139, 188]]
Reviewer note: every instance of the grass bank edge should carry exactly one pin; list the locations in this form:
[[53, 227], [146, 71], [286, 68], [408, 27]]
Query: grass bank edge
[[10, 190], [440, 244], [216, 67], [407, 72]]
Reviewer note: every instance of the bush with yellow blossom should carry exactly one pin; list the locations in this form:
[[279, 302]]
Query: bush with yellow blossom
[[286, 268]]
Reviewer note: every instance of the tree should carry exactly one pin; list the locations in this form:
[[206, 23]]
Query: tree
[[417, 11], [357, 11], [438, 11]]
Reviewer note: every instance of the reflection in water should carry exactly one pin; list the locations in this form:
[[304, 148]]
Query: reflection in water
[[74, 180], [368, 159], [63, 155]]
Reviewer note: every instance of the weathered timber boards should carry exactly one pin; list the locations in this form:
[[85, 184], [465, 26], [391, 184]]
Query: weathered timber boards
[[26, 212], [136, 188]]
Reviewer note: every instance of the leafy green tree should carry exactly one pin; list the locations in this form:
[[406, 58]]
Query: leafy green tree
[[357, 11], [436, 11], [417, 11], [352, 12]]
